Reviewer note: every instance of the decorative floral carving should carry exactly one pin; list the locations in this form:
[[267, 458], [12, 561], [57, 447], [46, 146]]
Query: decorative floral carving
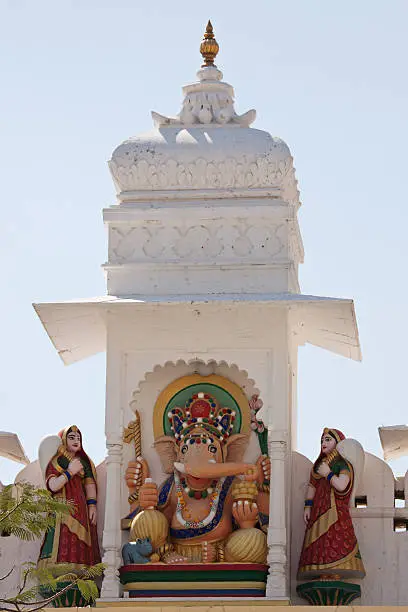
[[206, 108], [208, 101], [134, 172]]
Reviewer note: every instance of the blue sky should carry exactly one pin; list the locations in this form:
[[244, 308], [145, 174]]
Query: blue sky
[[79, 77]]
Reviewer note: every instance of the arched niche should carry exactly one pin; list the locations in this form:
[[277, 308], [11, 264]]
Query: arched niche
[[145, 395]]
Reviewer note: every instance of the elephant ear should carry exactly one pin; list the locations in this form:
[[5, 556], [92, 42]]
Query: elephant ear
[[236, 446], [166, 448]]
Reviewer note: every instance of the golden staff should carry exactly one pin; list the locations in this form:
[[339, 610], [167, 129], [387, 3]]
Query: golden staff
[[132, 432]]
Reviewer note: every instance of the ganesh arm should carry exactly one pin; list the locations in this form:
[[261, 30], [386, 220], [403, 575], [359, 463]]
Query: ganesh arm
[[263, 502], [263, 511]]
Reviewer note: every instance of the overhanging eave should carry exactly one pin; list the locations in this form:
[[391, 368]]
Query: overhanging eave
[[77, 329]]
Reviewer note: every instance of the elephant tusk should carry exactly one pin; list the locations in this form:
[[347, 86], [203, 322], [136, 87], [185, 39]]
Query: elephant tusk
[[180, 467]]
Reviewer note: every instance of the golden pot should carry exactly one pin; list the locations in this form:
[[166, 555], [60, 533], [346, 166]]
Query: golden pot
[[245, 491], [246, 546], [150, 524]]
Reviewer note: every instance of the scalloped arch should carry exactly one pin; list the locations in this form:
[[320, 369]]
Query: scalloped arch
[[171, 370]]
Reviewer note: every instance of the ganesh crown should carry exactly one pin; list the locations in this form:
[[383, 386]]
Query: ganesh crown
[[201, 411]]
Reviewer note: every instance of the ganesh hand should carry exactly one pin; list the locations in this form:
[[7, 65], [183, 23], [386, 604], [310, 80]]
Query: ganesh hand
[[136, 473], [252, 472], [264, 469], [148, 495], [245, 514]]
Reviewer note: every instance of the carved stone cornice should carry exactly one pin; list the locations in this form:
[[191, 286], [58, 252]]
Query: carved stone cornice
[[136, 167]]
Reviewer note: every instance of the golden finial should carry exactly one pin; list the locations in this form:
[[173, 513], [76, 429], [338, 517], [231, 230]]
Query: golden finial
[[209, 46]]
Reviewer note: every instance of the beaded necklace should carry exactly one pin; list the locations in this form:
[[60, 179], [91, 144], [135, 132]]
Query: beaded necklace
[[202, 494], [182, 506]]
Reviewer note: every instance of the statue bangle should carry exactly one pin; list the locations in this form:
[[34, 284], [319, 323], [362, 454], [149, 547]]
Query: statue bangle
[[67, 475], [308, 503], [134, 497], [329, 476], [91, 502]]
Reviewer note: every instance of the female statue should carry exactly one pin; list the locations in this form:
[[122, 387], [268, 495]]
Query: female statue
[[330, 546], [70, 475]]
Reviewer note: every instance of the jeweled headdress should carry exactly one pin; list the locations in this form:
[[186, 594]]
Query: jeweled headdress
[[202, 412]]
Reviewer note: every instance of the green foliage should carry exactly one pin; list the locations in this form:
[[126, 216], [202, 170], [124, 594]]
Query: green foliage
[[53, 582], [27, 513]]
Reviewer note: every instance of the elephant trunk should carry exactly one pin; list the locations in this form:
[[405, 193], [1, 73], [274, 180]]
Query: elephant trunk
[[218, 470]]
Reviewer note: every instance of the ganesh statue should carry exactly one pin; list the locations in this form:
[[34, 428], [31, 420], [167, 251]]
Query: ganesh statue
[[213, 507]]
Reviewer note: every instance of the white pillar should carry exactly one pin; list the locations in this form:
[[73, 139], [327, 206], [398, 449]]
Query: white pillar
[[276, 587], [112, 535], [278, 400], [112, 538]]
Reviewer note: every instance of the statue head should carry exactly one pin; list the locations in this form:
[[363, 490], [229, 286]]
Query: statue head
[[202, 433], [71, 439], [144, 546], [200, 447], [329, 440]]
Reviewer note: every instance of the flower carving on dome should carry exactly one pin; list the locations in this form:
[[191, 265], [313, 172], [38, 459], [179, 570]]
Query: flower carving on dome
[[231, 173], [206, 107]]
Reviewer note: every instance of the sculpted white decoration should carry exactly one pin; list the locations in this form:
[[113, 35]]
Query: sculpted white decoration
[[206, 146], [209, 101], [197, 242], [132, 172]]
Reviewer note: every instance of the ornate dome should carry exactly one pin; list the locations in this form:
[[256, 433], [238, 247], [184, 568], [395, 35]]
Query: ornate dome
[[207, 147]]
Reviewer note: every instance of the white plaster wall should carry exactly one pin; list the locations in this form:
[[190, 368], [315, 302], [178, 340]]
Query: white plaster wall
[[125, 280], [14, 554], [378, 542]]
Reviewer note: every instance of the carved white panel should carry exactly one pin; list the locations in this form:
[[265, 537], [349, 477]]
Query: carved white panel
[[232, 240]]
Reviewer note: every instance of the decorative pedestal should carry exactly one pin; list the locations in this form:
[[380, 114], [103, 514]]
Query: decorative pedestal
[[329, 592], [194, 580]]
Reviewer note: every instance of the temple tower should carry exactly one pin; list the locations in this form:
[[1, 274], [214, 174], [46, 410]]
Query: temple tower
[[202, 274]]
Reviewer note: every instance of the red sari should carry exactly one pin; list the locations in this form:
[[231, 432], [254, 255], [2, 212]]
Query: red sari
[[330, 545], [73, 540]]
